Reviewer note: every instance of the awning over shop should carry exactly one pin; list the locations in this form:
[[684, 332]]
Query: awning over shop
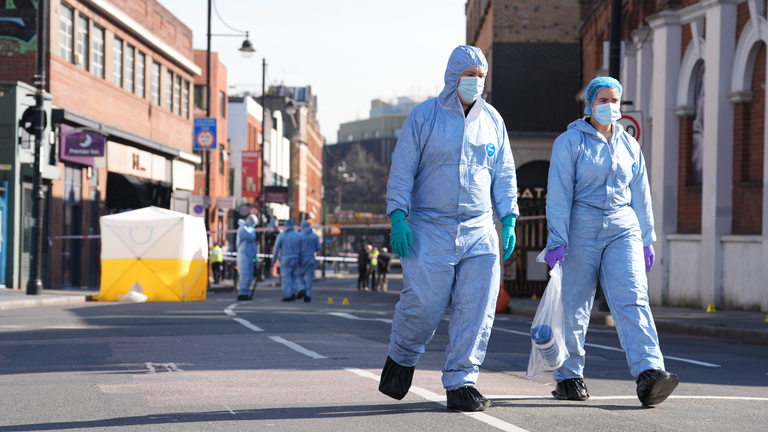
[[131, 192]]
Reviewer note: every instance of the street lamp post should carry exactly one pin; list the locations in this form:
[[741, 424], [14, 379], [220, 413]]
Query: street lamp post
[[35, 283]]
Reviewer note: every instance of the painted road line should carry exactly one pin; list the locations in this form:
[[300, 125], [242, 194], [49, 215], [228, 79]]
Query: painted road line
[[605, 347], [353, 317], [249, 325], [297, 347], [229, 310], [592, 397], [434, 397], [230, 409]]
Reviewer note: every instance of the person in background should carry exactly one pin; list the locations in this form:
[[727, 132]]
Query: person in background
[[384, 266], [310, 243], [373, 257], [246, 254], [363, 261], [600, 224], [288, 251], [217, 262]]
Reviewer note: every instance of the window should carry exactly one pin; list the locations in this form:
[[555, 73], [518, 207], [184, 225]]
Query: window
[[130, 62], [177, 95], [169, 91], [221, 160], [185, 100], [141, 64], [200, 96], [156, 83], [66, 15], [97, 53], [117, 62], [199, 166], [81, 47], [222, 104]]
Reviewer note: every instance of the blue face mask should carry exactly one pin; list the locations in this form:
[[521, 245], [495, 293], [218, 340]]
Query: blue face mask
[[471, 88], [606, 114]]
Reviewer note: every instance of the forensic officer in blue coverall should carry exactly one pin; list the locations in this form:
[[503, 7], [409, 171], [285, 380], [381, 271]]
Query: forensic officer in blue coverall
[[287, 249], [600, 224], [452, 166], [310, 243], [246, 255]]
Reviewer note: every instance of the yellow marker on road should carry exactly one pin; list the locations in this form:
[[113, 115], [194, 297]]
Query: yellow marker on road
[[330, 300], [766, 318], [345, 302], [711, 308], [533, 297]]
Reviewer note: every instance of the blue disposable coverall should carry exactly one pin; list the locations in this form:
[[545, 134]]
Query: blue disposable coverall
[[599, 208], [246, 253], [310, 243], [446, 174], [288, 249]]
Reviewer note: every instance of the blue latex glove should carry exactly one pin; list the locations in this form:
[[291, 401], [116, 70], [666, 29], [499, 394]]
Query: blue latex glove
[[508, 233], [401, 237], [650, 257], [555, 255]]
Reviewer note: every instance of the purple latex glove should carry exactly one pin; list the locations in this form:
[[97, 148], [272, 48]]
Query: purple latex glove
[[650, 257], [555, 255]]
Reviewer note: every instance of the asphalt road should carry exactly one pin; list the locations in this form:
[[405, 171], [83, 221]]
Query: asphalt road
[[266, 364]]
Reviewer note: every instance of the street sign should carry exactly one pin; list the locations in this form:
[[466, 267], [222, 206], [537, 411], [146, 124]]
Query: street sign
[[253, 211], [632, 122], [276, 194], [205, 133]]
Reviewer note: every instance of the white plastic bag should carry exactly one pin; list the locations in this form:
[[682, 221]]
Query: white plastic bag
[[134, 295], [548, 351]]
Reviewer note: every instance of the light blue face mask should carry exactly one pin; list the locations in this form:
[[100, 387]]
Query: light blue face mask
[[607, 113], [471, 88]]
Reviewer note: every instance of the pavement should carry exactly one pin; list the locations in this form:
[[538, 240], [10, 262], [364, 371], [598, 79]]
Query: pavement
[[730, 325]]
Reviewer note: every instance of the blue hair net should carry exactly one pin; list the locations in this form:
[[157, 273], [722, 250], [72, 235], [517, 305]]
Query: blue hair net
[[595, 86], [305, 225], [289, 223]]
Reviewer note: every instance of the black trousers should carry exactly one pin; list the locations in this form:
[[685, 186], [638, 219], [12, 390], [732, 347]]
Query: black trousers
[[362, 279], [216, 271]]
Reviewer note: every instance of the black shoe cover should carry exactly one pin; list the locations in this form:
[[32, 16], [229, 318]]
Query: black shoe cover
[[243, 298], [300, 295], [571, 389], [466, 398], [307, 299], [655, 386], [395, 379], [289, 299]]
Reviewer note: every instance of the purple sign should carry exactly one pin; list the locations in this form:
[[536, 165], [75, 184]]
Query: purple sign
[[81, 146]]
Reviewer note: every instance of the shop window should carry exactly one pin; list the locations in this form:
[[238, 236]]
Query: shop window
[[97, 51], [66, 15]]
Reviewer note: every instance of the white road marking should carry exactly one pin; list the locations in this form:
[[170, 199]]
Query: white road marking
[[229, 310], [297, 347], [170, 367], [353, 317], [632, 397], [434, 397], [247, 324], [605, 347], [230, 409]]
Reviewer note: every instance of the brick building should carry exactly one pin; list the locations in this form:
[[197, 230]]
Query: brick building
[[123, 68], [219, 178], [696, 70], [533, 54]]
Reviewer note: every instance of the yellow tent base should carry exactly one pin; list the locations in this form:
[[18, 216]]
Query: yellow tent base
[[159, 279]]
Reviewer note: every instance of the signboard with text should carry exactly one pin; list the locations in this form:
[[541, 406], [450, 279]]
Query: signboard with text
[[205, 133], [250, 174], [276, 194]]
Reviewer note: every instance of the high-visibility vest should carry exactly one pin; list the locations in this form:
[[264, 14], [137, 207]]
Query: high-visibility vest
[[216, 255], [374, 255]]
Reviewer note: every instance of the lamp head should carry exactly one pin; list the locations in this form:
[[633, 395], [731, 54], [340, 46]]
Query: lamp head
[[247, 49]]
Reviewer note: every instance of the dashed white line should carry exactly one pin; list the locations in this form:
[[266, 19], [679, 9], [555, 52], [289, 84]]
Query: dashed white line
[[434, 397], [605, 347], [353, 317], [297, 347], [247, 324]]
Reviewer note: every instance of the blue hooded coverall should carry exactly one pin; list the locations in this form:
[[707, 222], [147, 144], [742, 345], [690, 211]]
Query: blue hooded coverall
[[310, 243], [446, 174], [599, 208], [288, 249], [246, 253]]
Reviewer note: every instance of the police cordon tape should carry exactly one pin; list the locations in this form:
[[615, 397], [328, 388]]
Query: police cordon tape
[[268, 229], [229, 257]]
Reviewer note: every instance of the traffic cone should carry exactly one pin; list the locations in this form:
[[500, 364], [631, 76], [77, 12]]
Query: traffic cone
[[330, 300], [345, 302], [711, 308]]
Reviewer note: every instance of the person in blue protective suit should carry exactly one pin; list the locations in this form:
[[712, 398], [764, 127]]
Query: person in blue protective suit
[[288, 250], [246, 255], [452, 165], [600, 224], [310, 243]]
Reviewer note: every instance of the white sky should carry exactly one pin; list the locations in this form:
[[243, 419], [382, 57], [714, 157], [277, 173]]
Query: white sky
[[349, 51]]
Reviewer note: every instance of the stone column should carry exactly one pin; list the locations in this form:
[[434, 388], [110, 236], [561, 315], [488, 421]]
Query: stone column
[[717, 175], [643, 41], [664, 141]]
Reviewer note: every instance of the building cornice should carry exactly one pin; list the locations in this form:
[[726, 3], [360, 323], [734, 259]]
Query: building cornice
[[145, 35], [665, 18]]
